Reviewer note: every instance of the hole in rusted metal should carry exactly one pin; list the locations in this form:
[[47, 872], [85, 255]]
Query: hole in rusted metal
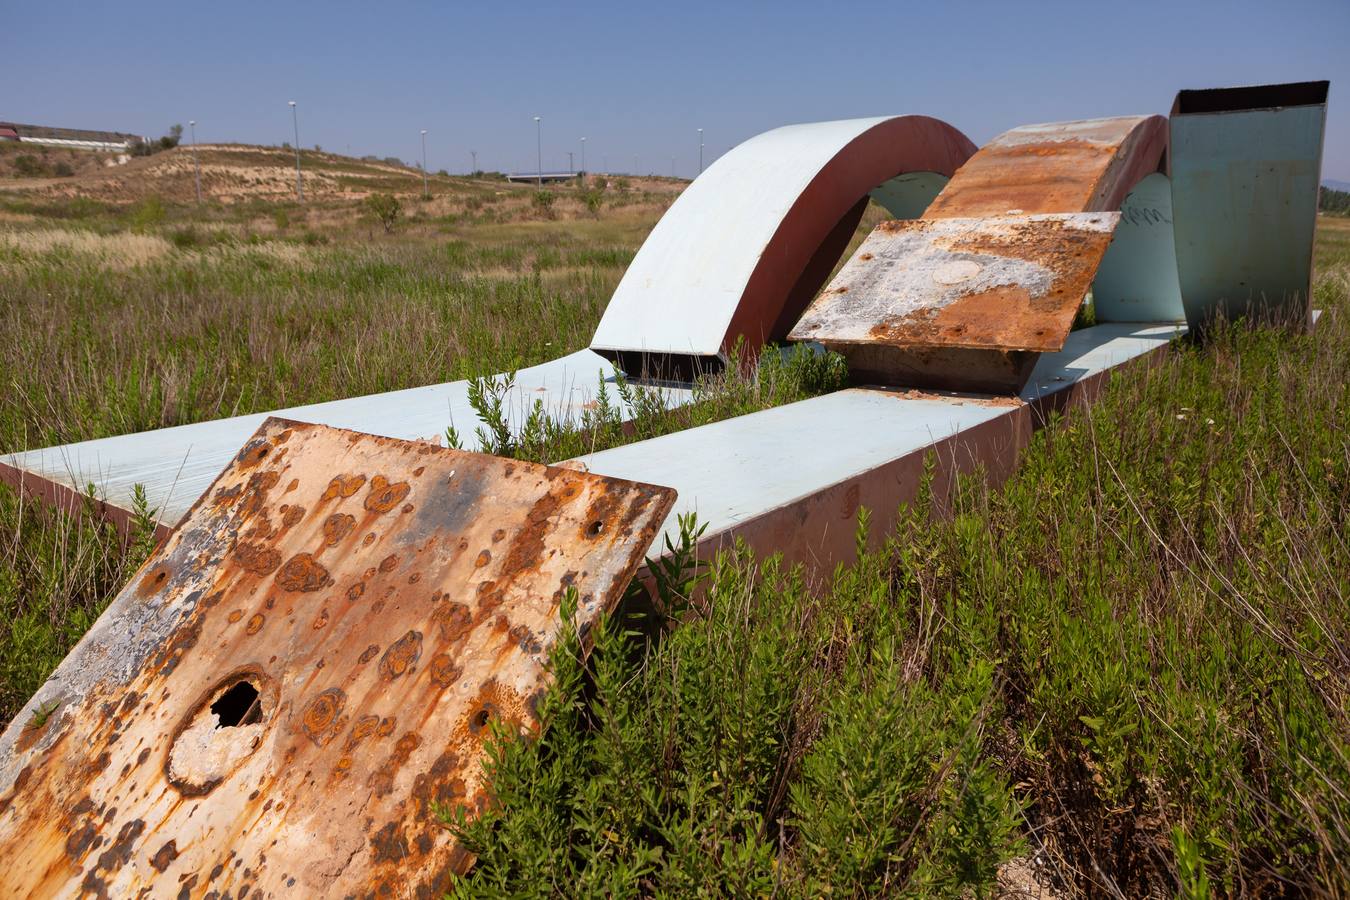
[[239, 705], [225, 726], [595, 528], [479, 719]]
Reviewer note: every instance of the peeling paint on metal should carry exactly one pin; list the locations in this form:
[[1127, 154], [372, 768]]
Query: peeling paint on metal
[[281, 695], [998, 283]]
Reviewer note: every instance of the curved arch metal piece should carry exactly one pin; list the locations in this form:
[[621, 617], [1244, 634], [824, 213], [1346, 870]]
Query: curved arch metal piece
[[746, 246], [995, 271], [1058, 167], [1246, 165]]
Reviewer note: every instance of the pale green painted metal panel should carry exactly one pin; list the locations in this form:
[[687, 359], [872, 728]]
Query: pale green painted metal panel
[[1137, 281], [1244, 200]]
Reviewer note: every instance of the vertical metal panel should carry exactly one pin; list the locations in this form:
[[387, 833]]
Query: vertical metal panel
[[1246, 165], [727, 258], [280, 696], [1137, 280]]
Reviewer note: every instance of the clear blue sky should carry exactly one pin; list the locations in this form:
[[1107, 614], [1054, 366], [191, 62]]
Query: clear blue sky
[[637, 80]]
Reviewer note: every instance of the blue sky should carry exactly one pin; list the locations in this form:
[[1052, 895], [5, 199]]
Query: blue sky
[[638, 81]]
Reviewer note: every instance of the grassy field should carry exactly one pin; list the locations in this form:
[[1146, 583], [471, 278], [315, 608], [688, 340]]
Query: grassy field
[[1126, 673]]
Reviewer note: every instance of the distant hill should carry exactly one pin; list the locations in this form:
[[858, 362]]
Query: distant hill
[[1336, 185]]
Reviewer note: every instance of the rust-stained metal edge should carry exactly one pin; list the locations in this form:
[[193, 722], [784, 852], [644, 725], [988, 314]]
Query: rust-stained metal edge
[[281, 694], [1005, 283]]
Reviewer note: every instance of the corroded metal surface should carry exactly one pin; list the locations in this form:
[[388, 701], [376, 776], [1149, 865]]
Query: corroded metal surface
[[747, 245], [279, 697], [1010, 283], [1086, 166]]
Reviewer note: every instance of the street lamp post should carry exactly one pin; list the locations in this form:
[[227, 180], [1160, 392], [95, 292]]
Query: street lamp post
[[583, 154], [299, 184], [539, 151], [700, 151], [569, 161], [473, 154], [426, 191], [196, 163]]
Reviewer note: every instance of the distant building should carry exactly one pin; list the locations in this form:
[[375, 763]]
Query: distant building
[[72, 138]]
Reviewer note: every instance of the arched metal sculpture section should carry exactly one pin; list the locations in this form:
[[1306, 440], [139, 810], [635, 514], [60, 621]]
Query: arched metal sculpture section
[[744, 249], [997, 268]]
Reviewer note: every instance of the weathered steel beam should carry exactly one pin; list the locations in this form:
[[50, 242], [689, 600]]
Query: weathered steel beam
[[995, 271], [747, 245], [174, 465], [790, 480], [1246, 169], [276, 701]]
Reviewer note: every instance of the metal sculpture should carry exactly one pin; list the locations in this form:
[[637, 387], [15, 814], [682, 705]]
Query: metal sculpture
[[284, 691], [746, 246]]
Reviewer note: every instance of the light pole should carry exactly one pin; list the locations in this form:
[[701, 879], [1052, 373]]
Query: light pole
[[473, 154], [196, 163], [539, 151], [426, 191], [583, 155], [299, 185], [700, 151], [569, 161]]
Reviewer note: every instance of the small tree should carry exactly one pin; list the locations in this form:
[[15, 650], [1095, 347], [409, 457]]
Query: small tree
[[385, 208], [543, 201]]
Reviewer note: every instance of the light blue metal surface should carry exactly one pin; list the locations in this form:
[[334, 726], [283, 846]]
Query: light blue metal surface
[[1137, 280], [176, 464], [1245, 169], [736, 471]]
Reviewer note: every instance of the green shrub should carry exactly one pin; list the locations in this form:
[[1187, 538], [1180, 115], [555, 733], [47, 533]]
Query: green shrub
[[148, 213], [26, 165], [385, 209], [281, 219], [543, 202]]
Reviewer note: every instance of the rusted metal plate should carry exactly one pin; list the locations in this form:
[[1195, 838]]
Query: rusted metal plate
[[276, 701], [1002, 283], [1085, 166]]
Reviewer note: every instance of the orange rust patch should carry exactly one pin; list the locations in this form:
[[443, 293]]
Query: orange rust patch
[[342, 486], [303, 573], [321, 714], [259, 559], [402, 655], [385, 495], [336, 527], [255, 623]]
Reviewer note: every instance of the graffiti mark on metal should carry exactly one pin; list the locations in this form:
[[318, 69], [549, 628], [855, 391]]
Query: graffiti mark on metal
[[999, 283], [276, 701]]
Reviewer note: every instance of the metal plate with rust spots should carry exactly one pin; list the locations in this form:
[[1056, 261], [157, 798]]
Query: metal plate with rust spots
[[278, 698], [1007, 283], [1083, 166]]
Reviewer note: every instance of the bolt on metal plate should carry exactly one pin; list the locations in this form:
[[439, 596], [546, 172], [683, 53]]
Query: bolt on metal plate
[[916, 290], [308, 667]]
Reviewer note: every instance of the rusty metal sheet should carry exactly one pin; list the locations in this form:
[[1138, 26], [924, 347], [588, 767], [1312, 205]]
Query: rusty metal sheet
[[1083, 166], [1002, 284], [275, 702]]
